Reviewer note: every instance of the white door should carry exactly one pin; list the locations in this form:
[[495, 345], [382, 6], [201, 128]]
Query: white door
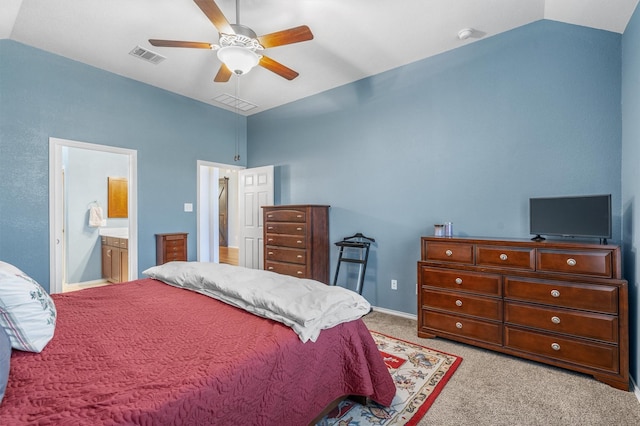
[[255, 188]]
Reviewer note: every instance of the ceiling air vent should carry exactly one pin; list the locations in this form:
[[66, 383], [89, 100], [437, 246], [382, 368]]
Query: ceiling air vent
[[236, 103], [147, 55]]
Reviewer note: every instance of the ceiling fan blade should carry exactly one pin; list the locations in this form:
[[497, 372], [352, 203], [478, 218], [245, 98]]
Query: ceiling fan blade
[[215, 15], [177, 43], [280, 38], [277, 68], [224, 74]]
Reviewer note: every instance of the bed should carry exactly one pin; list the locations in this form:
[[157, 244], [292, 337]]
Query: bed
[[151, 353]]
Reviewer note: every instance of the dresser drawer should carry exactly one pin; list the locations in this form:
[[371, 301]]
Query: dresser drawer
[[174, 255], [461, 280], [506, 257], [291, 269], [596, 262], [582, 352], [293, 241], [448, 252], [592, 297], [285, 228], [286, 215], [462, 326], [113, 241], [482, 307], [174, 244], [288, 255], [578, 323], [173, 237]]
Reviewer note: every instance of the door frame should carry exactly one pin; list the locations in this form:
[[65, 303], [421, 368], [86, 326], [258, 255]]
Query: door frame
[[208, 251], [56, 203]]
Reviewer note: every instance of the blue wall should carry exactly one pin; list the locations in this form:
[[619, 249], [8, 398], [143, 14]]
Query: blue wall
[[631, 176], [466, 136], [44, 95]]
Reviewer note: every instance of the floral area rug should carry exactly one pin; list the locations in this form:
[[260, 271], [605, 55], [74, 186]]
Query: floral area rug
[[419, 373]]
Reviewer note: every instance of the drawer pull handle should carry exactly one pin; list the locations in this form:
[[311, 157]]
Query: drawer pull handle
[[269, 216], [299, 215], [458, 325], [555, 320], [269, 227], [458, 302], [299, 256], [299, 272], [458, 280], [555, 346], [299, 242], [448, 253], [270, 239], [555, 293], [271, 268], [299, 229], [270, 253], [503, 256], [571, 262]]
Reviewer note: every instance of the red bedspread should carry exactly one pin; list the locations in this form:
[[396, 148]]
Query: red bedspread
[[147, 353]]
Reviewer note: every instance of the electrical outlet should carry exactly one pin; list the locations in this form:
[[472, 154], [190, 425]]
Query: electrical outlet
[[394, 284]]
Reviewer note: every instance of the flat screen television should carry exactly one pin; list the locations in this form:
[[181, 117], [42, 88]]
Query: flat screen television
[[581, 216]]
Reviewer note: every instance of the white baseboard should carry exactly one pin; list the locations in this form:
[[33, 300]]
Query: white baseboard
[[396, 313], [636, 389], [86, 284]]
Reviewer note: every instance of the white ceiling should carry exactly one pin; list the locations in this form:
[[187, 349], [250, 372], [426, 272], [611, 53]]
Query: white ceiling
[[353, 38]]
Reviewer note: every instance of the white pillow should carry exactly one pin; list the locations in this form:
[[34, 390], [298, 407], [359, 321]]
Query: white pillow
[[27, 312], [9, 268]]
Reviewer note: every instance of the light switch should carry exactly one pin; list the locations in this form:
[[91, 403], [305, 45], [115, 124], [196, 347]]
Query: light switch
[[188, 207]]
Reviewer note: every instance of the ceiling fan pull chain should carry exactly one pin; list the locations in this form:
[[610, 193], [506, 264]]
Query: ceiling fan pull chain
[[238, 121]]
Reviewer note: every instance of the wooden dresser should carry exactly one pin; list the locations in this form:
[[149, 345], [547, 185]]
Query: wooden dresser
[[296, 241], [170, 247], [563, 304]]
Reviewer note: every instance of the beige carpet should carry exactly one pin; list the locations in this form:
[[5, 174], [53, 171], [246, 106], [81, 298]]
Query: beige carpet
[[495, 389]]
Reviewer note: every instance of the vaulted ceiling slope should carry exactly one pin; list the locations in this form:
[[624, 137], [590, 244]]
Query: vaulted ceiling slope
[[352, 39]]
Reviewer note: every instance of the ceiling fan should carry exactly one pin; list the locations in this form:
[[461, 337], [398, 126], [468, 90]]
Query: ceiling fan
[[239, 44]]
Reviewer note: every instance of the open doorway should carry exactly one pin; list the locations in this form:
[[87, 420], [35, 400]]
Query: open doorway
[[78, 184], [248, 191], [218, 212]]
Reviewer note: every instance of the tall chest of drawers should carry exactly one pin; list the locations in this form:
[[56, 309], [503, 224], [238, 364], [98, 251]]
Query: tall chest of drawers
[[563, 304], [171, 247], [296, 240]]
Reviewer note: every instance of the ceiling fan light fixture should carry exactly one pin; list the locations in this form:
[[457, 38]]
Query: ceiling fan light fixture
[[238, 59]]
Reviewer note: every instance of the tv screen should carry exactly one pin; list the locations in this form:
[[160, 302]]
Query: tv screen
[[583, 216]]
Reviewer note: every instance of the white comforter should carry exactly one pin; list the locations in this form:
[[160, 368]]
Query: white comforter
[[307, 306]]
